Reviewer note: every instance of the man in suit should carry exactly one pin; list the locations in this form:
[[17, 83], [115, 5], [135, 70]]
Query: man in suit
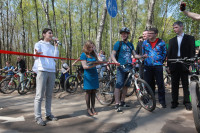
[[139, 52], [180, 46]]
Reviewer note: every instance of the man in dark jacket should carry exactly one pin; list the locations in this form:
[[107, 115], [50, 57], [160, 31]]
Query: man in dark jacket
[[139, 52], [21, 68], [180, 46]]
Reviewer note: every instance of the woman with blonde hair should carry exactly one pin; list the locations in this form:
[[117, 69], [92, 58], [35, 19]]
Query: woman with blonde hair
[[90, 82]]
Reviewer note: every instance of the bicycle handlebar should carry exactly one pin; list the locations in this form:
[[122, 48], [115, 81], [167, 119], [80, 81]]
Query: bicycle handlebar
[[181, 60]]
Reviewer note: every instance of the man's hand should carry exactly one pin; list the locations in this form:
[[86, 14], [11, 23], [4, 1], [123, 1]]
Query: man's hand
[[145, 56], [182, 6], [38, 53]]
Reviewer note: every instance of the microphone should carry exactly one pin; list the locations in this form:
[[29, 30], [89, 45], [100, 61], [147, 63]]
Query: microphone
[[57, 41]]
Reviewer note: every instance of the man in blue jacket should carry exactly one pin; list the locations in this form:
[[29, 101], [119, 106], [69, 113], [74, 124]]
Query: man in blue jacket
[[153, 65]]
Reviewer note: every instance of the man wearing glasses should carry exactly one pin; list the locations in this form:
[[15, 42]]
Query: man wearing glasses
[[153, 65]]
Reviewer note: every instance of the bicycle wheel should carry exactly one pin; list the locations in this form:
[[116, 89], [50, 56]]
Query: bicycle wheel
[[130, 90], [7, 88], [24, 87], [145, 95], [71, 84], [105, 93], [195, 93], [56, 87]]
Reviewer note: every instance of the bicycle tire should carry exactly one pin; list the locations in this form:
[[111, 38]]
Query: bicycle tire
[[27, 87], [5, 89], [195, 93], [145, 95], [105, 93], [56, 87], [81, 85], [71, 84]]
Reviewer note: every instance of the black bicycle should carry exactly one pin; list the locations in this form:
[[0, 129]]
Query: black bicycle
[[73, 81], [144, 93], [193, 87]]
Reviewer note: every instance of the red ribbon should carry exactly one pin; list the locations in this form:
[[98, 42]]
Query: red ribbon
[[27, 54]]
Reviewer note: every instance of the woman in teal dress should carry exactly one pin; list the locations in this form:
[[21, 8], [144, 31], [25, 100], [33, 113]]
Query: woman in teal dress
[[90, 81]]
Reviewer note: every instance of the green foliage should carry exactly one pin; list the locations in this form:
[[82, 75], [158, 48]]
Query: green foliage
[[161, 20]]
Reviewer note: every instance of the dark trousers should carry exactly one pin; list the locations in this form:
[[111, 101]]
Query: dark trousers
[[176, 76], [141, 71], [152, 73]]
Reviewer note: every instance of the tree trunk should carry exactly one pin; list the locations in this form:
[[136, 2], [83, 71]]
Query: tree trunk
[[37, 20], [90, 13], [7, 29], [54, 19], [122, 10], [165, 21], [70, 35], [46, 10], [81, 22], [134, 19], [97, 15], [101, 27], [23, 28], [150, 11], [3, 33]]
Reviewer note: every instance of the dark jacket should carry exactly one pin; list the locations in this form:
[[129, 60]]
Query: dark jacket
[[139, 48], [187, 50], [22, 65]]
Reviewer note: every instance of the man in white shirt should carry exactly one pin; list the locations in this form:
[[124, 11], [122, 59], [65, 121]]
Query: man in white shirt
[[180, 46]]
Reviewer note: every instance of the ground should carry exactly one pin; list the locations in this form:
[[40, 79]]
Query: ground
[[71, 111]]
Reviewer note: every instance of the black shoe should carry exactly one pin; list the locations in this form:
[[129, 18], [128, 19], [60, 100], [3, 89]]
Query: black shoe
[[117, 106], [188, 107], [119, 110], [51, 118], [123, 104], [173, 106]]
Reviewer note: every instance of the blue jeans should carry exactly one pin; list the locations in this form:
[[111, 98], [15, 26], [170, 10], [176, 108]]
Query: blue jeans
[[152, 73], [21, 75], [122, 74], [45, 82]]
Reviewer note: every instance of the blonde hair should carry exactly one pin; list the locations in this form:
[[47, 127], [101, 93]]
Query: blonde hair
[[85, 49]]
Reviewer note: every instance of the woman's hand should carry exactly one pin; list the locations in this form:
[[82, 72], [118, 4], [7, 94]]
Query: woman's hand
[[56, 42]]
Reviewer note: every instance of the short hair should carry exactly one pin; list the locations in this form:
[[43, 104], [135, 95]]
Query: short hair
[[179, 23], [140, 37], [153, 29]]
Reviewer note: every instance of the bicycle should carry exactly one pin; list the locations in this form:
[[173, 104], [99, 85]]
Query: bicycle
[[73, 81], [57, 83], [9, 84], [30, 80], [145, 96], [193, 87]]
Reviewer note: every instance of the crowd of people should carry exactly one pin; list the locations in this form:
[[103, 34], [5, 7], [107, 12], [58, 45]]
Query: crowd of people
[[150, 49]]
